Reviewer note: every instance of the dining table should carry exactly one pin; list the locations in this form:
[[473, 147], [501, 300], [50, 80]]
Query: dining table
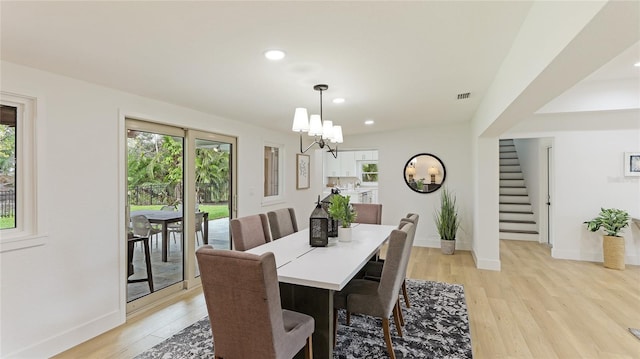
[[309, 276], [164, 218]]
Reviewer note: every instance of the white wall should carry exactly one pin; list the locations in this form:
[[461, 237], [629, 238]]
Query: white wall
[[449, 143], [588, 175], [55, 296]]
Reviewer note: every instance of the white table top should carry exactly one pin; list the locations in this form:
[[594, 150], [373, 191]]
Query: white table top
[[325, 267]]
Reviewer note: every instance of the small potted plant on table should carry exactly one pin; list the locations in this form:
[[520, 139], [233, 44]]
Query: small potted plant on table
[[341, 210], [611, 221]]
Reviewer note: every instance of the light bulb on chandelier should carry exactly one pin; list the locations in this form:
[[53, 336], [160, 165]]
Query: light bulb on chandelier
[[323, 132]]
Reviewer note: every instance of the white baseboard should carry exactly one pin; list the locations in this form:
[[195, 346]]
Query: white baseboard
[[431, 243], [70, 338], [488, 264]]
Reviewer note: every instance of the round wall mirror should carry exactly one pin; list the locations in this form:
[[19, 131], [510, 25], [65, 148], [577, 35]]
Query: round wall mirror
[[424, 173]]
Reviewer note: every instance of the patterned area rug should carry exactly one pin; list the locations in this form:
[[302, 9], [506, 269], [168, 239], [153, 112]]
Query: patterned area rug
[[436, 326]]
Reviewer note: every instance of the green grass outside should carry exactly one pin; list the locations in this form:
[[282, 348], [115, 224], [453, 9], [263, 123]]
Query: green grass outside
[[215, 211], [7, 222]]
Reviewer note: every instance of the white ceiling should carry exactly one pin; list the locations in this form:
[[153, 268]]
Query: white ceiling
[[401, 64]]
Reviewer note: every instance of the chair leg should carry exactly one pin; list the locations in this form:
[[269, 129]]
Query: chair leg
[[308, 352], [147, 259], [400, 312], [348, 318], [335, 326], [387, 338], [404, 293], [396, 317]]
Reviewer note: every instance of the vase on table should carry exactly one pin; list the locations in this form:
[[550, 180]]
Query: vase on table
[[344, 234]]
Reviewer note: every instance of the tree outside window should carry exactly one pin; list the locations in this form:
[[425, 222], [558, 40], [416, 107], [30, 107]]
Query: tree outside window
[[8, 124]]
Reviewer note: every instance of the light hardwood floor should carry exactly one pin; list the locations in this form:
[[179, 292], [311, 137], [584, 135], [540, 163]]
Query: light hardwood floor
[[536, 307]]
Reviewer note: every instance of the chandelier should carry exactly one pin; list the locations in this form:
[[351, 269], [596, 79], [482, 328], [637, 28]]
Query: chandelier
[[323, 132]]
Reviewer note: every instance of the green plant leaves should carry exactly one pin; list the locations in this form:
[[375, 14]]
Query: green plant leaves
[[446, 218], [611, 220], [341, 209]]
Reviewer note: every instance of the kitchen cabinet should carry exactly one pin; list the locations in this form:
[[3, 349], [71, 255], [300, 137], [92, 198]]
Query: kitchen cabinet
[[347, 164], [331, 165], [343, 166], [374, 196], [366, 155]]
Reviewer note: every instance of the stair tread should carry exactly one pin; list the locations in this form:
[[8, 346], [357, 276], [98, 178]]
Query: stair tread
[[522, 203], [515, 195], [516, 221], [518, 212], [525, 187], [518, 231], [510, 171]]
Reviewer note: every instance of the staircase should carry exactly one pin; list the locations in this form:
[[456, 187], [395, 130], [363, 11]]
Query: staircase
[[516, 215]]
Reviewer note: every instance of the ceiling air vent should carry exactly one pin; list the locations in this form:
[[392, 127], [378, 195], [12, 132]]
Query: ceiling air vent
[[463, 96]]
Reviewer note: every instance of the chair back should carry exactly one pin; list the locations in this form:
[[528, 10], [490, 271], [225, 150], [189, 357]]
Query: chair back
[[250, 231], [411, 218], [141, 226], [395, 267], [370, 213], [243, 300], [282, 222]]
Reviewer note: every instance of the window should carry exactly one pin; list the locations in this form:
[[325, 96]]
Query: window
[[18, 215], [368, 172], [272, 172], [8, 122]]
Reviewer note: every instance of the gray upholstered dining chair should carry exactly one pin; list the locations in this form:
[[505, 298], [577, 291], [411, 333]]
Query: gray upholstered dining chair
[[250, 231], [282, 222], [243, 300], [373, 269], [379, 299], [370, 213]]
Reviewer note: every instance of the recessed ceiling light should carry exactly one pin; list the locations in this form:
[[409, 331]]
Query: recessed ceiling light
[[637, 64], [369, 122], [338, 100], [274, 55]]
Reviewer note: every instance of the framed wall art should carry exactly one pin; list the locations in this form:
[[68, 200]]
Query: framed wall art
[[632, 163], [302, 171]]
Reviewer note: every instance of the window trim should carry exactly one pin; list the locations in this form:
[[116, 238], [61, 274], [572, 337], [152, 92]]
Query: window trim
[[279, 198], [27, 232]]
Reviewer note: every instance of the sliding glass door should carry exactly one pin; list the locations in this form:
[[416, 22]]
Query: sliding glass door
[[213, 169], [180, 193]]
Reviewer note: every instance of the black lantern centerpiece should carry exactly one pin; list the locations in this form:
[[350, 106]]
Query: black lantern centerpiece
[[333, 223], [318, 227]]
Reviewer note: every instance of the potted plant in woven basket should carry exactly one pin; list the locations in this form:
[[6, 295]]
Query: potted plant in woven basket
[[611, 221], [447, 221], [341, 210]]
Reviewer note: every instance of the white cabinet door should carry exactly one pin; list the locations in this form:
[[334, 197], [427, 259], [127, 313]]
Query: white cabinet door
[[374, 196], [347, 163], [331, 165]]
